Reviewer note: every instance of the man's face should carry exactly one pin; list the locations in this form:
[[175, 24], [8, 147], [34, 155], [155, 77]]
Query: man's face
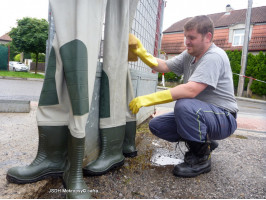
[[195, 42]]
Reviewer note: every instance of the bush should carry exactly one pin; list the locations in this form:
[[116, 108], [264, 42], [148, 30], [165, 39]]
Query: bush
[[256, 68], [17, 58], [170, 76]]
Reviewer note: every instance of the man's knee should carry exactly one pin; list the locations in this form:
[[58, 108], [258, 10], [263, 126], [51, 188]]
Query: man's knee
[[162, 132], [157, 127], [184, 107], [153, 126]]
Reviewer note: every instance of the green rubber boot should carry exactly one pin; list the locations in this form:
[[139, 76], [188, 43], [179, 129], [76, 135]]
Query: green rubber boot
[[111, 155], [50, 159], [74, 183], [129, 145]]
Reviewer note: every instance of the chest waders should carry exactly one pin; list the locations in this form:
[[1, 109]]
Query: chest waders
[[66, 96], [117, 125]]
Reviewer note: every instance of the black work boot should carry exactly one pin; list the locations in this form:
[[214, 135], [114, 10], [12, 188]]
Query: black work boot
[[73, 177], [50, 159], [129, 145], [196, 161], [213, 145]]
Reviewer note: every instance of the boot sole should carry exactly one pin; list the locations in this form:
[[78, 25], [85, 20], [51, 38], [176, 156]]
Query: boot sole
[[213, 145], [12, 179], [131, 154], [193, 174], [92, 173]]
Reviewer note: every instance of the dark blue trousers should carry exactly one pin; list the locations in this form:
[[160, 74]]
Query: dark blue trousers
[[193, 120]]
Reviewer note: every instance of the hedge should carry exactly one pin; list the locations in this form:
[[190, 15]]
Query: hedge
[[256, 68]]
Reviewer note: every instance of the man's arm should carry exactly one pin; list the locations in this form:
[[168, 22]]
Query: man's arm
[[162, 66], [188, 90]]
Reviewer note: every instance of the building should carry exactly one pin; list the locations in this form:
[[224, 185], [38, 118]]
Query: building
[[4, 39], [228, 34]]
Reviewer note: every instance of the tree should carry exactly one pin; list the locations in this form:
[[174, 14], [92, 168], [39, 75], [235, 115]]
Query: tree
[[30, 36]]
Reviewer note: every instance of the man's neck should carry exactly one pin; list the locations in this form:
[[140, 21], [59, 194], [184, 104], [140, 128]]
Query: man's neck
[[197, 58]]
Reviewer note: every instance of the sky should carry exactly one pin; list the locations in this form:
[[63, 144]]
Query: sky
[[175, 10]]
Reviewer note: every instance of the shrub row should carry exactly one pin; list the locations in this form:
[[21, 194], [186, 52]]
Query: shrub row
[[256, 68]]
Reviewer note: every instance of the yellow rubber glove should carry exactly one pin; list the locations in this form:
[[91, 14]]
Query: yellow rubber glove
[[149, 100], [142, 53]]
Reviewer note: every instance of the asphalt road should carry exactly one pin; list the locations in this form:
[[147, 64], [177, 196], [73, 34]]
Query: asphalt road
[[20, 89], [30, 90]]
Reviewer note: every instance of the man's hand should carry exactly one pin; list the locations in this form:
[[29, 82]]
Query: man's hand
[[142, 53], [149, 100]]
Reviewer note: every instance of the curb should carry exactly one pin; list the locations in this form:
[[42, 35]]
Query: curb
[[26, 79], [237, 98], [250, 100], [14, 106]]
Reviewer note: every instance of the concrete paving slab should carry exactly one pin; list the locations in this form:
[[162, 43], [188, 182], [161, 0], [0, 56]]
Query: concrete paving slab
[[14, 106]]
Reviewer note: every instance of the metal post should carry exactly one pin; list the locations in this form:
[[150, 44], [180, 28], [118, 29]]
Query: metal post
[[244, 51]]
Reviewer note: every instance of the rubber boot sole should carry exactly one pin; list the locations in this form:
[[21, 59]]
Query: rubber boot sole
[[131, 154], [12, 179], [87, 172]]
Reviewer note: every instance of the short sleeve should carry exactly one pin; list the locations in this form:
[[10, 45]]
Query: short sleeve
[[176, 64], [208, 71]]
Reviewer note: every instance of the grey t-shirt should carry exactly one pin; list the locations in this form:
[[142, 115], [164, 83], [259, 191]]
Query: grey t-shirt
[[213, 69]]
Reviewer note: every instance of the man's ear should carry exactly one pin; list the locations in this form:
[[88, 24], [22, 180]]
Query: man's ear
[[209, 36]]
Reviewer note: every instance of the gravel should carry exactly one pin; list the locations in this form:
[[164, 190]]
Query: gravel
[[238, 167]]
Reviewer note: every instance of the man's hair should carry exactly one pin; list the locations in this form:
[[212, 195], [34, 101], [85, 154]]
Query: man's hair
[[203, 24]]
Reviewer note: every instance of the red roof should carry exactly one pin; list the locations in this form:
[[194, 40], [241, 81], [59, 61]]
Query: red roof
[[173, 37], [5, 37], [258, 15]]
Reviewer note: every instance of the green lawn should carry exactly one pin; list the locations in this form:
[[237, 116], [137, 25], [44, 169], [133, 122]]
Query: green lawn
[[21, 74]]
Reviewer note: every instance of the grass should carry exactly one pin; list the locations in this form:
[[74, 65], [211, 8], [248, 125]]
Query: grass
[[21, 74]]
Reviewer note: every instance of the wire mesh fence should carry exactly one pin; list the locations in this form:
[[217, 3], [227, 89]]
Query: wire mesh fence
[[145, 27]]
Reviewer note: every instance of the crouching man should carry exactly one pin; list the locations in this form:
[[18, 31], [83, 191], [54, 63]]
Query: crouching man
[[205, 108]]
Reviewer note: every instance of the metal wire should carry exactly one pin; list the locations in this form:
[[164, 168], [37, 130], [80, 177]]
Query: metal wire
[[144, 27]]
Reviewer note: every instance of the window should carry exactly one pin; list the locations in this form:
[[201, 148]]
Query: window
[[238, 37]]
